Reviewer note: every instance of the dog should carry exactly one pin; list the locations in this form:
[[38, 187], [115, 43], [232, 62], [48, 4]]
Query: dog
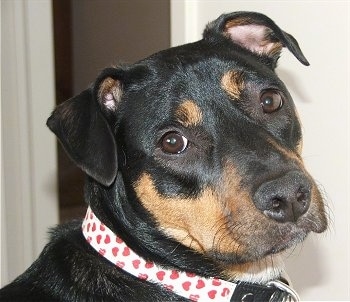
[[195, 181]]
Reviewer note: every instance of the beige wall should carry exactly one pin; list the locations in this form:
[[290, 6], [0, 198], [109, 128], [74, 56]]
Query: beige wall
[[320, 268], [107, 32]]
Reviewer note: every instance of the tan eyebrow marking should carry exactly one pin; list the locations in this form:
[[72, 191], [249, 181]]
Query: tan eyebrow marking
[[232, 82], [189, 114]]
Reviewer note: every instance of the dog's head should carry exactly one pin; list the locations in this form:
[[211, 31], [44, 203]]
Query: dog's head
[[193, 154]]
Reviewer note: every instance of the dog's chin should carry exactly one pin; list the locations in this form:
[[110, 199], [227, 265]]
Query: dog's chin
[[264, 249], [259, 265], [261, 271]]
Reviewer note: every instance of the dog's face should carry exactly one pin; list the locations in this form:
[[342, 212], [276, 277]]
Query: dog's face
[[208, 143]]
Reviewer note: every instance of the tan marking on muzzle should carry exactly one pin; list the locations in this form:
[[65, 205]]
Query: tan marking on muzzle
[[286, 152], [189, 114], [197, 222], [232, 82]]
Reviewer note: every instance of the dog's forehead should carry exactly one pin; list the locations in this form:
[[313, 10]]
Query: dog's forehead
[[201, 70], [198, 86], [183, 81]]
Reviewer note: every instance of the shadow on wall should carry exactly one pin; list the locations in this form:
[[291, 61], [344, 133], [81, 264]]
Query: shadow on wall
[[305, 265], [294, 85]]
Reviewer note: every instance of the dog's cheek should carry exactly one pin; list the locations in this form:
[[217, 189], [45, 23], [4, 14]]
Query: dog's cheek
[[197, 222], [210, 223]]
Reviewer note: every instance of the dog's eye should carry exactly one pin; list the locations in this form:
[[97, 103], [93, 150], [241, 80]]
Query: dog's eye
[[271, 101], [173, 143]]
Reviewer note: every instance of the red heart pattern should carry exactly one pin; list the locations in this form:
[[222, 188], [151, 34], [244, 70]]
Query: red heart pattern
[[194, 297], [120, 264], [136, 263], [115, 251], [126, 251], [200, 284], [107, 239], [225, 292], [212, 294], [191, 275], [143, 276], [160, 275], [185, 284], [216, 282], [174, 275]]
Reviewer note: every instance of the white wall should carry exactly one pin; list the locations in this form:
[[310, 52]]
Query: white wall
[[320, 268]]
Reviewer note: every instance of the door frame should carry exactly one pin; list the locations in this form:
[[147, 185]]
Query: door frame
[[28, 149]]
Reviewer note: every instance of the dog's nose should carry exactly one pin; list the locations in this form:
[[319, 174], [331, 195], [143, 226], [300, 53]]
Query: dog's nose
[[285, 198]]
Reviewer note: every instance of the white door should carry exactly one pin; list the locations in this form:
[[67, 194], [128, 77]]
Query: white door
[[320, 268]]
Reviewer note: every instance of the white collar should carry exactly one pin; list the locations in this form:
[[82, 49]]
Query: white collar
[[184, 284]]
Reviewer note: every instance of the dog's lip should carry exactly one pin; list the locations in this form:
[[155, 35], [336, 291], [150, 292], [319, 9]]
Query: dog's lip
[[288, 239], [288, 236]]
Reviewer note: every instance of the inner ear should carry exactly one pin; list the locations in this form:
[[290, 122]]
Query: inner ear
[[255, 32], [109, 94], [254, 37]]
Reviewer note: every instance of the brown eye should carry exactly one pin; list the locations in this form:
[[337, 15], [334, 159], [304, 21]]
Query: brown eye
[[271, 101], [173, 143]]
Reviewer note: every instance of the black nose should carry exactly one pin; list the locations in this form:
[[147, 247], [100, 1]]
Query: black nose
[[286, 198]]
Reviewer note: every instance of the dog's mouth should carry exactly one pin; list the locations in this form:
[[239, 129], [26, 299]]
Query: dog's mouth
[[257, 246], [225, 225], [289, 240], [252, 234]]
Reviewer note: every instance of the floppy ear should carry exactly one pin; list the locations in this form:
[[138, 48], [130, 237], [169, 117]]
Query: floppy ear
[[256, 33], [81, 125]]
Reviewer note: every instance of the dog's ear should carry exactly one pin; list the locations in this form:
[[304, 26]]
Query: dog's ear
[[81, 124], [256, 33]]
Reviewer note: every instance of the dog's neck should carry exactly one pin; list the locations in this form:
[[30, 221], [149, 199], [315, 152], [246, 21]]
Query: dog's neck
[[185, 284]]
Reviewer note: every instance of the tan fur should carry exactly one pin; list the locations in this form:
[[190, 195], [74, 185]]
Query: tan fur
[[189, 114], [223, 220], [293, 156], [232, 82], [195, 222]]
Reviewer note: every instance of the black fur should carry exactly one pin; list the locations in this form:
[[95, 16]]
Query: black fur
[[114, 146]]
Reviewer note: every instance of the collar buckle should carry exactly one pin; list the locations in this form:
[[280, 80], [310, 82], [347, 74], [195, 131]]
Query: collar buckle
[[290, 295]]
